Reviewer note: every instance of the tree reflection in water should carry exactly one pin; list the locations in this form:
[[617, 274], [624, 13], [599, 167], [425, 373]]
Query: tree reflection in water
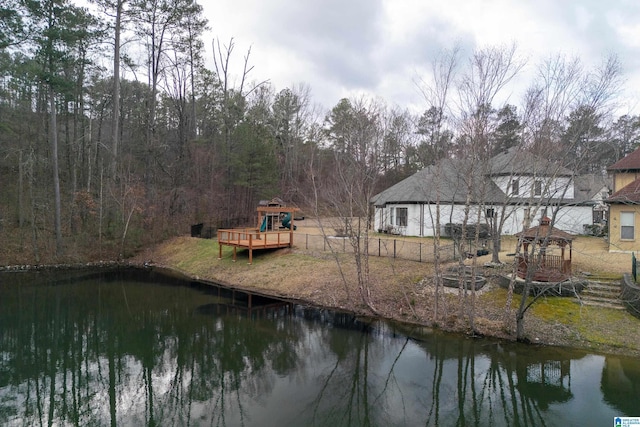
[[123, 350]]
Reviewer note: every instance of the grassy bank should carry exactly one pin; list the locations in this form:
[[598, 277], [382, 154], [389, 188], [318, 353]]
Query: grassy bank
[[399, 290]]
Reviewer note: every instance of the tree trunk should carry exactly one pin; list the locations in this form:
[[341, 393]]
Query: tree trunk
[[20, 192], [115, 131], [56, 176]]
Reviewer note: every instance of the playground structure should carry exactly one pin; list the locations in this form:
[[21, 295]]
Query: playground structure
[[275, 230]]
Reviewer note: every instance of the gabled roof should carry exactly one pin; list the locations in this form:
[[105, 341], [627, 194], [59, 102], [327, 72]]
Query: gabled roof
[[629, 194], [447, 181], [629, 162], [516, 161], [587, 187]]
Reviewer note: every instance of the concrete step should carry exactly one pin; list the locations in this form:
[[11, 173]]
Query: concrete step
[[602, 292], [604, 298], [601, 278], [602, 303], [603, 285], [602, 289]]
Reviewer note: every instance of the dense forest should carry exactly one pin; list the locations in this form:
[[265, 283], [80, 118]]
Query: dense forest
[[115, 133]]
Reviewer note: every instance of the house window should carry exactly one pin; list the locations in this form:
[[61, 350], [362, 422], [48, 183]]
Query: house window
[[402, 215], [627, 226], [515, 187], [490, 213], [598, 216], [537, 188]]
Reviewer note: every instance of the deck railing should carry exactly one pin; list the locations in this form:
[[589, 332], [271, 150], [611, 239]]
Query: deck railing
[[544, 265], [251, 237], [237, 235]]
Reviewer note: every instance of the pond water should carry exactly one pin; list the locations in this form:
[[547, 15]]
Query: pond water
[[139, 348]]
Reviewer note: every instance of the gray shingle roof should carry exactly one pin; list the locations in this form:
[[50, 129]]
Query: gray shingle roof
[[448, 180], [518, 161], [587, 187]]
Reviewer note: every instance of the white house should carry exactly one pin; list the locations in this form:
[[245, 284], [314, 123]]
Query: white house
[[513, 188]]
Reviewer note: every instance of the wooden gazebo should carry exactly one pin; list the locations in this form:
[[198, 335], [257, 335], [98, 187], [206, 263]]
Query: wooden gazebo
[[547, 268]]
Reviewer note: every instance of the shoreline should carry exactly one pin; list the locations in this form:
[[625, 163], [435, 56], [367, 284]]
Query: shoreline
[[497, 335], [400, 293]]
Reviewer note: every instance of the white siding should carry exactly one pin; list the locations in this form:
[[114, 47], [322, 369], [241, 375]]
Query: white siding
[[422, 218], [559, 187], [572, 219], [569, 218]]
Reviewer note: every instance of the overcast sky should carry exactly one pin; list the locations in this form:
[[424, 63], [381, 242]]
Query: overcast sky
[[344, 48]]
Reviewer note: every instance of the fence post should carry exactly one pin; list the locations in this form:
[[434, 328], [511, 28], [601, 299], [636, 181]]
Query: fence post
[[633, 265], [394, 248], [420, 251]]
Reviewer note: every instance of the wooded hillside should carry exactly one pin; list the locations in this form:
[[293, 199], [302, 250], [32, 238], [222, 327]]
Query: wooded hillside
[[114, 134]]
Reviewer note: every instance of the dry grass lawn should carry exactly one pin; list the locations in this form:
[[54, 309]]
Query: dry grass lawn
[[589, 254]]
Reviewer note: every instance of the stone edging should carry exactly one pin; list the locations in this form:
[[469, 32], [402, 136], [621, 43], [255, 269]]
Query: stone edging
[[59, 267], [631, 295]]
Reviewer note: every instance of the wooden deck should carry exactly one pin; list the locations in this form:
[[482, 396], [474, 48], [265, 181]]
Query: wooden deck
[[253, 239]]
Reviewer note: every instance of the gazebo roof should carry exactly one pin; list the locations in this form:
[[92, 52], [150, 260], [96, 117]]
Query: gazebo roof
[[545, 231]]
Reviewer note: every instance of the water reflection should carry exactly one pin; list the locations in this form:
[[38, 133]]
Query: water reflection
[[621, 384], [122, 350]]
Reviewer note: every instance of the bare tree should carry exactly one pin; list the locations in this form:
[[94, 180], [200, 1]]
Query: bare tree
[[489, 71], [117, 11], [468, 98], [562, 87], [162, 24], [436, 96], [354, 132], [291, 123], [233, 107]]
